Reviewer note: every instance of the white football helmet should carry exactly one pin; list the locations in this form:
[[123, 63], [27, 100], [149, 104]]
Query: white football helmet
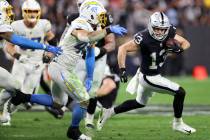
[[31, 11], [160, 21], [94, 12], [6, 13]]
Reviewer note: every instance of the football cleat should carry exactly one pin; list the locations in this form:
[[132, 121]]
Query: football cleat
[[76, 134], [106, 114], [57, 113], [89, 122], [182, 127], [89, 125], [84, 137], [5, 120]]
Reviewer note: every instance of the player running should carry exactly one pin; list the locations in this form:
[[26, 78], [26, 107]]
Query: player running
[[154, 45]]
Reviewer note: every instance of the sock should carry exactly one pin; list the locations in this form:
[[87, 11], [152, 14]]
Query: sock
[[42, 99], [178, 103], [127, 106], [92, 106], [178, 119], [77, 115], [89, 116]]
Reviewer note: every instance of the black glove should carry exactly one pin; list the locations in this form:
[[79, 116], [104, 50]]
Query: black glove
[[16, 56], [123, 75], [174, 49], [46, 59]]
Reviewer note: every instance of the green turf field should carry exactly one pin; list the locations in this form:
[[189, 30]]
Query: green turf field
[[41, 126]]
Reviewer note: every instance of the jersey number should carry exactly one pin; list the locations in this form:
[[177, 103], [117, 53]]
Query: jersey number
[[154, 56]]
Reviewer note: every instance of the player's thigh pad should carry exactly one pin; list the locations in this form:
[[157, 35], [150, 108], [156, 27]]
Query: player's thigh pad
[[58, 94]]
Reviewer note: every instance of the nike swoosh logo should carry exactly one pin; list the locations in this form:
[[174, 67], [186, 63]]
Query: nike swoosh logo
[[101, 120], [188, 131]]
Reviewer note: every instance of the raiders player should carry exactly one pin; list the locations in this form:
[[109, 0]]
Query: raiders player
[[6, 32], [152, 45], [28, 64], [77, 36]]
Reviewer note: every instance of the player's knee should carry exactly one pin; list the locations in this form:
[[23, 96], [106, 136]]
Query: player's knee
[[181, 92]]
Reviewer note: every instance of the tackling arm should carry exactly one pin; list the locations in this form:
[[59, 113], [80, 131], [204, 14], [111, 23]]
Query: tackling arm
[[184, 43], [108, 47], [27, 43], [86, 36], [109, 42]]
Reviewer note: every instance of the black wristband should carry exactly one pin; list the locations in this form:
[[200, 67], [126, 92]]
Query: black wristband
[[17, 55], [108, 30], [101, 54]]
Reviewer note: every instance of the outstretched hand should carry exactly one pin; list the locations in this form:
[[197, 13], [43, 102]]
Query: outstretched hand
[[117, 29], [55, 50]]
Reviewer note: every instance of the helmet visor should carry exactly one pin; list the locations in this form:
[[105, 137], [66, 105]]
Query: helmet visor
[[102, 17]]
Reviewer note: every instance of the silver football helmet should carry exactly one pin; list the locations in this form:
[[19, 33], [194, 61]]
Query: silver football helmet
[[158, 26]]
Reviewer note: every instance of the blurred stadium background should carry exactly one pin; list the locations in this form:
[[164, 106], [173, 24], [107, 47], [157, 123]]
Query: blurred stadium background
[[192, 19]]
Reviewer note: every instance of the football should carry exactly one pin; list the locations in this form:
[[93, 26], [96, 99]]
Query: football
[[172, 42]]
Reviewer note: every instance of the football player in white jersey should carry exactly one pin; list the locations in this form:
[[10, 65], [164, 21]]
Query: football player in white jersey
[[79, 35], [6, 32], [103, 46], [28, 64]]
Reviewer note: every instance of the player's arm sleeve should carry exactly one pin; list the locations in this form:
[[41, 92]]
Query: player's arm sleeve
[[23, 42], [90, 62]]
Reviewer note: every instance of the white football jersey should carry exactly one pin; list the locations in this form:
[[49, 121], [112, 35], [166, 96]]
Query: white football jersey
[[4, 28], [71, 46], [36, 34]]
